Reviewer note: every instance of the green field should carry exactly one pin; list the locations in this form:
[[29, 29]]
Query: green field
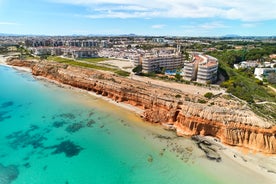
[[93, 60], [87, 65]]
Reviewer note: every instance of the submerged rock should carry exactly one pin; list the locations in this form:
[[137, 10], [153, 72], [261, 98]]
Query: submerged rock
[[8, 173], [67, 115], [209, 149], [31, 137], [58, 124], [6, 104], [90, 123], [74, 127], [68, 148], [150, 159], [3, 116]]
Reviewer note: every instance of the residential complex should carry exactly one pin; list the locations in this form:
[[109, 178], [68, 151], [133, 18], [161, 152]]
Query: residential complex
[[201, 68], [155, 54], [157, 63], [160, 59]]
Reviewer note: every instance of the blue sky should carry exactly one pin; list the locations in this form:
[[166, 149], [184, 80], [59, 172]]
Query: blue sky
[[142, 17]]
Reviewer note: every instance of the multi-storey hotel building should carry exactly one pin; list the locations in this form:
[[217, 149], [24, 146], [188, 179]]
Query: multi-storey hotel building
[[166, 59], [202, 68], [156, 63]]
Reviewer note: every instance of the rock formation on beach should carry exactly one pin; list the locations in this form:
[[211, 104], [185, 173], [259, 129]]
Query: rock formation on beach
[[229, 120]]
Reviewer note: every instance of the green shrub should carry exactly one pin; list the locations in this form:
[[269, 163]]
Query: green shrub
[[138, 69], [201, 101], [178, 96], [122, 73], [209, 95]]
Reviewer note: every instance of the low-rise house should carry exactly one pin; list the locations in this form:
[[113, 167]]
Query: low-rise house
[[246, 64], [39, 51], [261, 73]]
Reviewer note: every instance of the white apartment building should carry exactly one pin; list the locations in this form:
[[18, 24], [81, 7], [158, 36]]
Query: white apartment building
[[202, 68], [260, 73], [160, 59], [153, 63], [76, 52]]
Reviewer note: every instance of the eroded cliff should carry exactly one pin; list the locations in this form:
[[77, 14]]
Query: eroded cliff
[[189, 114]]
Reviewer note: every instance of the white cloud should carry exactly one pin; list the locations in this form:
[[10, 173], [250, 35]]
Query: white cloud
[[212, 25], [158, 26], [245, 10], [250, 25], [8, 23], [208, 25]]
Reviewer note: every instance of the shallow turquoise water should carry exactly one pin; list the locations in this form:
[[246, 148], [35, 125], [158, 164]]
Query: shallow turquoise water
[[53, 135]]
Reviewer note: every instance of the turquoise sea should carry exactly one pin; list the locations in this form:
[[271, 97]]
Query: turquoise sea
[[53, 135]]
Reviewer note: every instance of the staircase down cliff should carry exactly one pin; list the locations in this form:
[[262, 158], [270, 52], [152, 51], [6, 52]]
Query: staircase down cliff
[[189, 114]]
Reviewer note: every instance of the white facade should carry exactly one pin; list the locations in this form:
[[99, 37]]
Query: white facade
[[156, 63], [202, 68], [260, 73]]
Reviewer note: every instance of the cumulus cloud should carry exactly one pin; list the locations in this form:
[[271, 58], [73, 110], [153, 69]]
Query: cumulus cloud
[[245, 10]]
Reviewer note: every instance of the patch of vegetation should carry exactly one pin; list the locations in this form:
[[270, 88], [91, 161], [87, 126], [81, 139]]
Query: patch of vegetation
[[3, 50], [87, 65], [201, 101], [94, 60], [138, 69], [59, 59], [151, 74], [177, 77], [209, 95], [30, 57], [242, 84], [178, 96], [265, 110], [122, 73], [212, 103]]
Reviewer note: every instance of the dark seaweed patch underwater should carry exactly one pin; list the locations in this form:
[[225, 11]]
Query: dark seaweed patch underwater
[[7, 104], [67, 147]]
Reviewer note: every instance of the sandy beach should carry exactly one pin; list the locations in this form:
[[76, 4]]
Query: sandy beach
[[3, 62], [237, 165]]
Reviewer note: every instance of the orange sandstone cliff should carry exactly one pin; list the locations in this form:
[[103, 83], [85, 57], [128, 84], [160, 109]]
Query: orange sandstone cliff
[[189, 114]]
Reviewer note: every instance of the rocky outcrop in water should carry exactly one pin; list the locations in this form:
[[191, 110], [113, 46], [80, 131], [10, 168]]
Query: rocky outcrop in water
[[229, 120]]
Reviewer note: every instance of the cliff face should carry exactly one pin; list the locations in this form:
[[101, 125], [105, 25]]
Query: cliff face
[[230, 121]]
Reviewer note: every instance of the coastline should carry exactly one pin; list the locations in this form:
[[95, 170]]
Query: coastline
[[254, 163], [3, 60], [129, 107]]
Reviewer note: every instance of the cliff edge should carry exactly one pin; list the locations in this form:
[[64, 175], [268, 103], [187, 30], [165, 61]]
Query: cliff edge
[[229, 120]]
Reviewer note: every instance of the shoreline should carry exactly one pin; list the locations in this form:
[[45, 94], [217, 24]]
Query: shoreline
[[256, 163], [129, 107], [3, 60], [248, 160], [252, 164]]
